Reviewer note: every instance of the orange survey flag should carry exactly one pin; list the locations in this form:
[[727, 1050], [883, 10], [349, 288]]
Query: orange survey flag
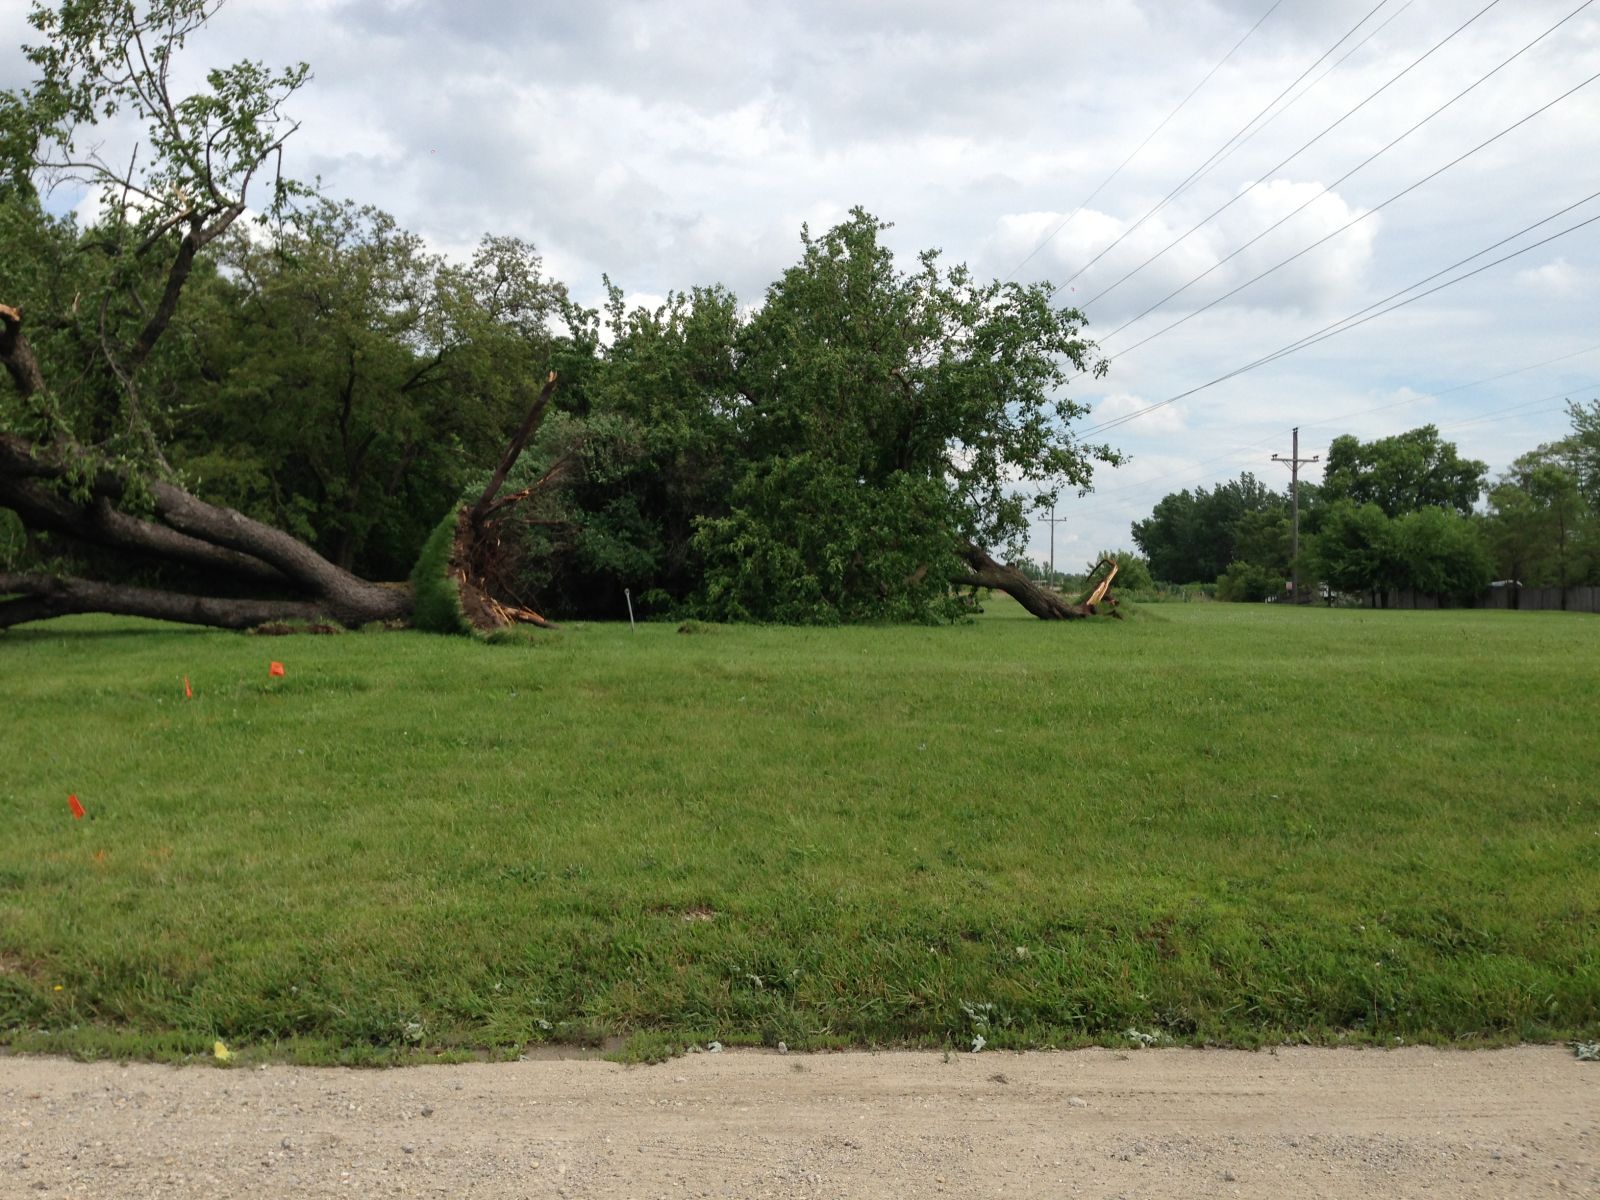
[[188, 692], [276, 669], [77, 809]]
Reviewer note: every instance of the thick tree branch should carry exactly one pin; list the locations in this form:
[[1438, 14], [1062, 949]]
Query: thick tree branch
[[514, 450], [1045, 603], [339, 592], [43, 596], [17, 354], [98, 522]]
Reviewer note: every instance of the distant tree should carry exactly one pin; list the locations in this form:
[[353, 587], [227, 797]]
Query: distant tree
[[1440, 553], [1195, 535], [1403, 473], [1249, 581], [1539, 527], [1583, 450], [1361, 549]]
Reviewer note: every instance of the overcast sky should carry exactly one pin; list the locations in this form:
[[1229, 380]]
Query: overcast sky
[[677, 144]]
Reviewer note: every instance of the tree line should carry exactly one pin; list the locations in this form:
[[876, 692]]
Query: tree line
[[1405, 512]]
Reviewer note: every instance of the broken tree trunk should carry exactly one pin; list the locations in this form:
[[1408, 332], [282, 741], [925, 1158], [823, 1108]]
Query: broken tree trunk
[[1043, 602], [478, 563]]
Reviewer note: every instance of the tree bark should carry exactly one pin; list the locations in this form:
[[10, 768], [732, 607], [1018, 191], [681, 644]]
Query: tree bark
[[17, 354], [1045, 603], [189, 530], [40, 597], [183, 529]]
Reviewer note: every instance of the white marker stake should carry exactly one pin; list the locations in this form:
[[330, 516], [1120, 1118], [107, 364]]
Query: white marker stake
[[628, 596]]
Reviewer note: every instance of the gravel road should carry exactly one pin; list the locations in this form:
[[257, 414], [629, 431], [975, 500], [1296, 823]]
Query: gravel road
[[1096, 1123]]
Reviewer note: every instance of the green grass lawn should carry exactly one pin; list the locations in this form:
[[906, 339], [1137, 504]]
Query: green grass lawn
[[1211, 823]]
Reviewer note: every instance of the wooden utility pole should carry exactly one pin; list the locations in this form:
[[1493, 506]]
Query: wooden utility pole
[[1052, 520], [1294, 460]]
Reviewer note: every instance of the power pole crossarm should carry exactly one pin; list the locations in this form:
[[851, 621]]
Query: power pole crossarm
[[1295, 462]]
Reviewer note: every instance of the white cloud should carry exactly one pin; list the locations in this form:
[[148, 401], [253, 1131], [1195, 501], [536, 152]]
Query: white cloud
[[1558, 279], [1169, 418]]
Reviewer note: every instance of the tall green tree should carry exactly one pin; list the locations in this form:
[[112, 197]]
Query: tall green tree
[[840, 454], [1361, 549], [1541, 527], [1403, 473], [1193, 536]]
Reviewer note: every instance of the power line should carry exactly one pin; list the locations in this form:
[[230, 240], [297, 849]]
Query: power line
[[1226, 148], [1164, 121], [1349, 321], [1355, 221], [1312, 86], [1371, 158], [1335, 328], [1362, 412], [1274, 170], [1246, 453]]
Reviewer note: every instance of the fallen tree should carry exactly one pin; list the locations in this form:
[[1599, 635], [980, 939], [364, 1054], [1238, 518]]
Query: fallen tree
[[844, 453]]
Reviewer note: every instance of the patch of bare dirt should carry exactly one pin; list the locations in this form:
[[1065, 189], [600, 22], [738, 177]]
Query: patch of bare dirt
[[1151, 1123]]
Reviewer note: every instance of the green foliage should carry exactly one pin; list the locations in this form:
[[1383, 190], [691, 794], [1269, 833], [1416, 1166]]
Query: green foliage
[[354, 379], [1403, 473], [1544, 514], [203, 158], [1441, 553], [806, 543], [1430, 550], [437, 598], [1247, 581], [1197, 535], [1288, 826], [1583, 449], [823, 459]]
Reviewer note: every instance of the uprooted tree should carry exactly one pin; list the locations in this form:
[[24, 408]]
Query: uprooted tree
[[846, 452]]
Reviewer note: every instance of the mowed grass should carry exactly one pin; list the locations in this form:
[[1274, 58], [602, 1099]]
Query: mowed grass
[[1209, 823]]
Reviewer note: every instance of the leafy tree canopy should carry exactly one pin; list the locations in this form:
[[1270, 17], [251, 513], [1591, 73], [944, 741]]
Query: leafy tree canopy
[[1194, 536], [1403, 473], [1360, 548]]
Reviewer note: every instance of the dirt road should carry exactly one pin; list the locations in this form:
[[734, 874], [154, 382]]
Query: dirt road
[[1149, 1123]]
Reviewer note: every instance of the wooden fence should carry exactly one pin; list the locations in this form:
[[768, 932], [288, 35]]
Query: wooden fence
[[1525, 599]]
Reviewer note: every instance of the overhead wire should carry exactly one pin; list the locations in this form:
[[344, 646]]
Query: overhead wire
[[1328, 188], [1245, 455], [1435, 48], [1135, 152], [1221, 152], [1351, 320], [1338, 327], [1312, 86], [1353, 221]]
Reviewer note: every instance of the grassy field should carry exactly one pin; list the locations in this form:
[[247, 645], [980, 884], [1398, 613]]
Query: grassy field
[[1209, 823]]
